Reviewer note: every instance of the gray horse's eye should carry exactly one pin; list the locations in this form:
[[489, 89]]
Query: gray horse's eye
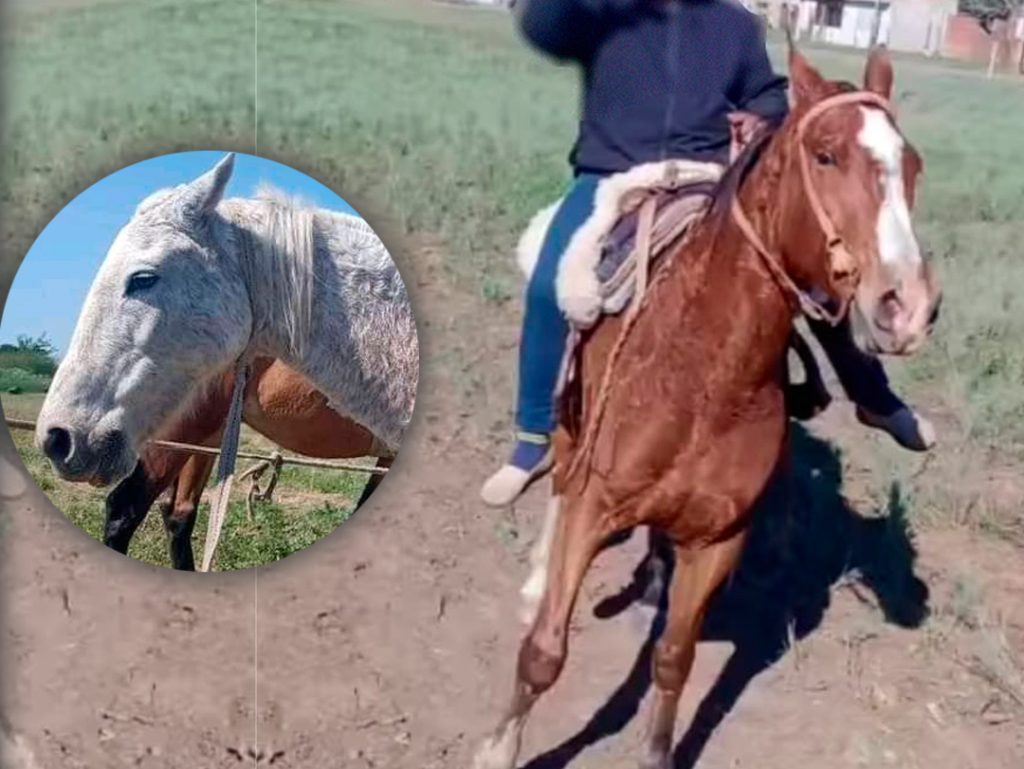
[[140, 281]]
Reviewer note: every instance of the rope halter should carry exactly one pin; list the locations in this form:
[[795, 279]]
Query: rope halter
[[843, 269]]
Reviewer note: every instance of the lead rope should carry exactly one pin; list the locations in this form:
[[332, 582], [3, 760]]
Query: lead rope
[[226, 465], [645, 226], [644, 232], [811, 308]]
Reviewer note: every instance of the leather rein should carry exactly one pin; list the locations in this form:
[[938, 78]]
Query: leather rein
[[837, 251]]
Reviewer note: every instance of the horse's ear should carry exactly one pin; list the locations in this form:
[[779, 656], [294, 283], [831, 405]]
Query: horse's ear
[[878, 72], [806, 84], [203, 194], [787, 27]]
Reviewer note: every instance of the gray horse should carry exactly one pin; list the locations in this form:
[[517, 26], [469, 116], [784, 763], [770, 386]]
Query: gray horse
[[193, 283]]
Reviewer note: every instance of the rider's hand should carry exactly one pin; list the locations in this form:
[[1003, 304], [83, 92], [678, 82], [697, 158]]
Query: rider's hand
[[743, 126]]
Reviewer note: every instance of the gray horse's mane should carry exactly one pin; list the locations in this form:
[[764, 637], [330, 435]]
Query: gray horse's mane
[[278, 237], [290, 255], [275, 240]]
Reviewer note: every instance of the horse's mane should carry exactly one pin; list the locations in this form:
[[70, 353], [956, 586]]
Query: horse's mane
[[729, 185], [732, 180], [280, 237], [278, 247]]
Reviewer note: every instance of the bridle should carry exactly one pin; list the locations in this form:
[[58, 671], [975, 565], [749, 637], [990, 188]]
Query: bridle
[[843, 270]]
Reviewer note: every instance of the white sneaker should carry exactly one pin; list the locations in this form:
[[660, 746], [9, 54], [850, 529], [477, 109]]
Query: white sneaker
[[908, 428], [505, 486]]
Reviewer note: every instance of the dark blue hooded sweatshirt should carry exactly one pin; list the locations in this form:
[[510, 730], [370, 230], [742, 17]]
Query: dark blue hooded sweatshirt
[[659, 76]]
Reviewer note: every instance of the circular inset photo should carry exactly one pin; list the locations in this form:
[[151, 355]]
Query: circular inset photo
[[208, 361]]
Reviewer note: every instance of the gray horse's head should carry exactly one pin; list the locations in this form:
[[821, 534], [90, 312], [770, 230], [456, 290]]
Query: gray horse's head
[[168, 309]]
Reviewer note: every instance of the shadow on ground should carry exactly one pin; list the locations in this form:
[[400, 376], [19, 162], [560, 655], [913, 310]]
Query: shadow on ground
[[805, 539]]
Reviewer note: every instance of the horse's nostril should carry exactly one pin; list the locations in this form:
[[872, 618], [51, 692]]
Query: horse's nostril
[[933, 316], [57, 445]]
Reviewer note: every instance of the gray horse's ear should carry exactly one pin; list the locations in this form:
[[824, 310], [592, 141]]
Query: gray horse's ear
[[203, 194]]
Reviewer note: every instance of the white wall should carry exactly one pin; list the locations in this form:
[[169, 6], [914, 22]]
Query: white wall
[[855, 29], [919, 25]]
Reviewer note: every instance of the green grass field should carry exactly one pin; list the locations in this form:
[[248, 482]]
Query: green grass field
[[308, 504], [442, 117], [16, 380]]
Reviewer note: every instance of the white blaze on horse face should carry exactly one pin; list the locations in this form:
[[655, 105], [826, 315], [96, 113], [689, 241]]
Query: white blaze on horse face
[[897, 244]]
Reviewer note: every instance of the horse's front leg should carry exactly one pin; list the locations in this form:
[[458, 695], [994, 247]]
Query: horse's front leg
[[180, 513], [576, 539], [695, 577], [126, 507], [374, 482], [533, 589]]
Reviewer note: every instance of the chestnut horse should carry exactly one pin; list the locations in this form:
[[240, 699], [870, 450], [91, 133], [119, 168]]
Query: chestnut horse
[[685, 432], [280, 404]]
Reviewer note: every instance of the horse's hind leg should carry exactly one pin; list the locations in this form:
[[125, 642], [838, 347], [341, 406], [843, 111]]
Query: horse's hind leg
[[657, 567], [577, 538], [180, 514], [696, 576]]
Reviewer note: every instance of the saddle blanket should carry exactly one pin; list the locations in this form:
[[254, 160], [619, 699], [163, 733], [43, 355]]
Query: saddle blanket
[[601, 269]]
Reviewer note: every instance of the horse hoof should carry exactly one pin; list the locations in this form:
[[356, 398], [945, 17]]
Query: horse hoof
[[658, 760], [495, 754], [15, 752]]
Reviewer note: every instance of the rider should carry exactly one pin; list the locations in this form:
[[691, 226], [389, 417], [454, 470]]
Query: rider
[[661, 79]]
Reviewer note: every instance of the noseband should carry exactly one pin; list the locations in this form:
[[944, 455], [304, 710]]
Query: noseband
[[842, 265]]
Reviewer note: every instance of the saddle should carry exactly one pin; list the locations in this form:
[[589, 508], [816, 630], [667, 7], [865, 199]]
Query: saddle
[[642, 235], [637, 216]]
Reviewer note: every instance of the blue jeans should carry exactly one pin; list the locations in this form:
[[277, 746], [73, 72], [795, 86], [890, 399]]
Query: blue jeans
[[860, 374], [546, 331]]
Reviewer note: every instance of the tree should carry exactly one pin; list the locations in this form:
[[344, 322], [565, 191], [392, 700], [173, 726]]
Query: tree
[[36, 355], [40, 344]]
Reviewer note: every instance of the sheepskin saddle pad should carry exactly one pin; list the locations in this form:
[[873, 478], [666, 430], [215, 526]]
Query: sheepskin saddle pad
[[600, 273]]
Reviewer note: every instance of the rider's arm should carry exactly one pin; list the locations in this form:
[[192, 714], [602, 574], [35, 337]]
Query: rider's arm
[[565, 29], [758, 89]]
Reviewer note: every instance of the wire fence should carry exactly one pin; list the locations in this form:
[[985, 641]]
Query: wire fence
[[276, 459]]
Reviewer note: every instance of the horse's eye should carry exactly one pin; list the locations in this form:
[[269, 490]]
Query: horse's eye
[[141, 281], [825, 158]]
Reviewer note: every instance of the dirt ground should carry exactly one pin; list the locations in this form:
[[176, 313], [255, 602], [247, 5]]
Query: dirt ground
[[391, 643]]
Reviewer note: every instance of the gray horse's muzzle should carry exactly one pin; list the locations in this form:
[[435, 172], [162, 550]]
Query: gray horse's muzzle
[[77, 457]]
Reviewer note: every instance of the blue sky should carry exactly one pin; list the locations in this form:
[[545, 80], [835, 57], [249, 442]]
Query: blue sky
[[55, 275]]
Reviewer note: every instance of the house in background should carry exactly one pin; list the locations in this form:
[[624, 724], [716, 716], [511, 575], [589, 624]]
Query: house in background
[[919, 26], [856, 23], [931, 27]]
